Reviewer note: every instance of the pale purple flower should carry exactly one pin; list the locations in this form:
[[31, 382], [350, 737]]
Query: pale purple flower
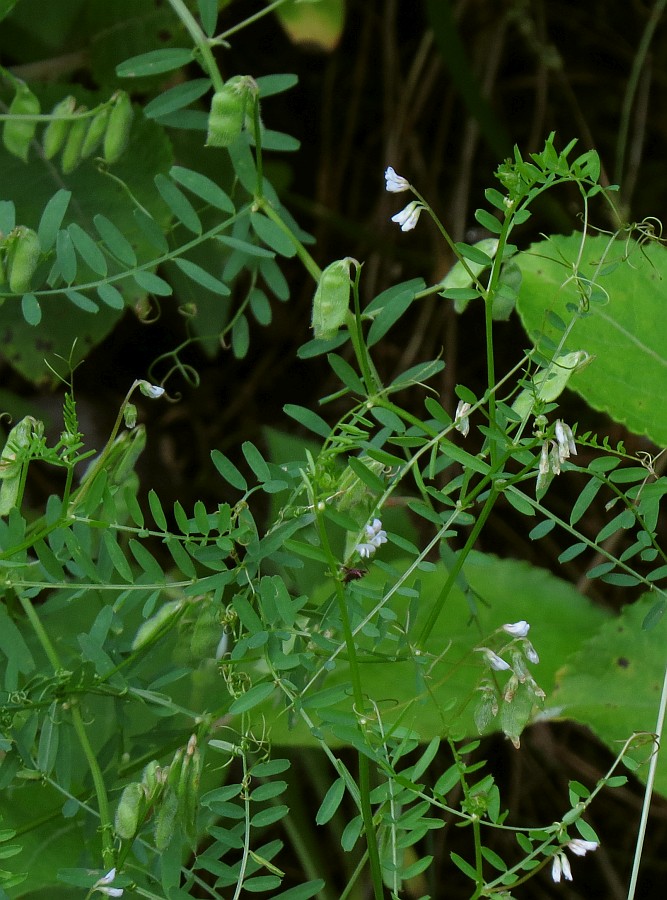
[[496, 662], [101, 885], [395, 183], [150, 390], [565, 439], [531, 653], [375, 537], [517, 629], [408, 217]]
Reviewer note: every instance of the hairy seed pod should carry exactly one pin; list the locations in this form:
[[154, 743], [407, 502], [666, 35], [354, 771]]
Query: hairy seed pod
[[72, 150], [22, 258], [228, 110], [190, 797], [17, 133], [95, 133], [332, 299], [165, 820], [130, 811], [119, 126], [56, 131]]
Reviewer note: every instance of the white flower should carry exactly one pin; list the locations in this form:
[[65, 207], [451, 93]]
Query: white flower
[[561, 865], [531, 653], [101, 885], [544, 459], [565, 439], [407, 218], [461, 421], [395, 183], [580, 847], [376, 536], [150, 390], [517, 629], [495, 661]]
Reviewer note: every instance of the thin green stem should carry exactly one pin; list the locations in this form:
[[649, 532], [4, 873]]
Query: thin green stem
[[201, 42], [358, 694], [461, 557], [648, 792], [106, 827], [309, 263]]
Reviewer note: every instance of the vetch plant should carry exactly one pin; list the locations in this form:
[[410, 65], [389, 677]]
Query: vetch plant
[[190, 694]]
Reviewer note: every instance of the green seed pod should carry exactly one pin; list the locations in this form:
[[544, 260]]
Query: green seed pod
[[22, 258], [174, 773], [165, 820], [190, 797], [119, 126], [152, 626], [55, 132], [95, 133], [72, 150], [228, 110], [17, 133], [332, 299], [130, 811]]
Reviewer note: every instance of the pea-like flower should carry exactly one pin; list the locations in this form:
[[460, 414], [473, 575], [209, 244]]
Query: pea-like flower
[[375, 537], [102, 885], [517, 629], [395, 183], [408, 217], [461, 420], [496, 662], [561, 865], [150, 390], [565, 440]]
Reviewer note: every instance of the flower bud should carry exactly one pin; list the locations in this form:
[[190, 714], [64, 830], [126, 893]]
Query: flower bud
[[332, 299]]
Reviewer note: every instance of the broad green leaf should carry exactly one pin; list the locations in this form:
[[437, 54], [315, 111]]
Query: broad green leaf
[[625, 330], [318, 24], [253, 697], [611, 683], [110, 295], [228, 470], [275, 84], [32, 311]]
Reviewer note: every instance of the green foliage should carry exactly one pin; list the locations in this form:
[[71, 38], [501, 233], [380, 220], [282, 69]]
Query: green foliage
[[153, 657]]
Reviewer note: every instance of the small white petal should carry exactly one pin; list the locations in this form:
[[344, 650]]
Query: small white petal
[[495, 661], [365, 551], [408, 217], [531, 653], [395, 183], [517, 629], [556, 869], [108, 878], [544, 459], [567, 871], [150, 390]]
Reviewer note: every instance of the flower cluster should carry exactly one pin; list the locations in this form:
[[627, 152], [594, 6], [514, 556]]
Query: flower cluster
[[553, 453], [521, 688], [375, 537], [408, 217], [561, 864]]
